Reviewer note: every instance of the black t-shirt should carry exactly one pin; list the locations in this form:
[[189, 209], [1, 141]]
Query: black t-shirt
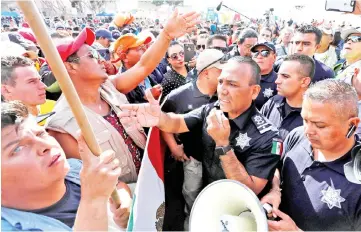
[[181, 101], [251, 139], [288, 109], [66, 208]]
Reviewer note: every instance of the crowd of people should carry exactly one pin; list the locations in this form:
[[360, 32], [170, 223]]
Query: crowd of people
[[275, 107]]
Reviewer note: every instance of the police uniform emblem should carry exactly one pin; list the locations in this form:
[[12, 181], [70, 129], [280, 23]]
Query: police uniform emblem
[[332, 197], [268, 93], [243, 140], [262, 124]]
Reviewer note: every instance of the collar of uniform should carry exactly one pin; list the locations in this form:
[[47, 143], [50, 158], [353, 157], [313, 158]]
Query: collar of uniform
[[270, 77], [279, 100], [336, 165], [244, 118]]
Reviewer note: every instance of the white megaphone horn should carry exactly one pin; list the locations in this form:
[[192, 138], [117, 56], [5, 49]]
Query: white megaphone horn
[[227, 205]]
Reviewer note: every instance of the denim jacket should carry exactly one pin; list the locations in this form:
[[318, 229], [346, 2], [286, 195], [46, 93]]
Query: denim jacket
[[16, 220]]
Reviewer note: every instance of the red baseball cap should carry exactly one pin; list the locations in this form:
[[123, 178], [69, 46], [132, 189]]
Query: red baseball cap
[[86, 36]]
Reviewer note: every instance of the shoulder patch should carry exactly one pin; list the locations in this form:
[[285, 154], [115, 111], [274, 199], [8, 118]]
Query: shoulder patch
[[263, 124]]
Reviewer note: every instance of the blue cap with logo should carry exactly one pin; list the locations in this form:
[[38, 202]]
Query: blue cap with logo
[[266, 44], [104, 33]]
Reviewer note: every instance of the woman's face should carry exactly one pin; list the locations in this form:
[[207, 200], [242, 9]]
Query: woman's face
[[176, 56]]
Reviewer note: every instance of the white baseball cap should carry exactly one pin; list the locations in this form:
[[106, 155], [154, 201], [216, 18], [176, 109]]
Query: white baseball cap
[[210, 58], [347, 32]]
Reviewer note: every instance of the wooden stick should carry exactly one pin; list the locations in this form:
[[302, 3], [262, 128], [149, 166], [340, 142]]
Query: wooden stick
[[46, 44]]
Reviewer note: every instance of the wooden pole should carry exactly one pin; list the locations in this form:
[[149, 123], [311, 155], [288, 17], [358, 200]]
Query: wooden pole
[[46, 44]]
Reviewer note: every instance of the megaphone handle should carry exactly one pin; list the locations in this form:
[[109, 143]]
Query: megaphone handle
[[267, 208], [268, 211]]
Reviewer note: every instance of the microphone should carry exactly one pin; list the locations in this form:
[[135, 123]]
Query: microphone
[[219, 6]]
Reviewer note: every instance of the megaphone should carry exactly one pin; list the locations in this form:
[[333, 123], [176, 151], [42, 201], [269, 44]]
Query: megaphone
[[228, 205]]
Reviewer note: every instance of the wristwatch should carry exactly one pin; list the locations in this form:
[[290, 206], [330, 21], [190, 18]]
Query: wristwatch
[[219, 151]]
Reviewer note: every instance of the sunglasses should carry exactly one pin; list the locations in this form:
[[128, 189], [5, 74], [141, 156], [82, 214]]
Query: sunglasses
[[264, 53], [175, 56], [201, 46], [354, 38], [222, 49], [221, 60], [92, 54]]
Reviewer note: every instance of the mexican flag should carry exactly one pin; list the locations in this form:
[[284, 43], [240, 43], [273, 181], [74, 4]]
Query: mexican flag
[[277, 147], [148, 207]]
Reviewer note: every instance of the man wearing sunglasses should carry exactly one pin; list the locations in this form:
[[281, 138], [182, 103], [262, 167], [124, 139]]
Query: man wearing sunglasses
[[352, 54], [350, 70], [101, 95], [264, 54]]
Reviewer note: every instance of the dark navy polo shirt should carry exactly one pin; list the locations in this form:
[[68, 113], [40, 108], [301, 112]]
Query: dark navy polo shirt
[[268, 89], [322, 71], [181, 101], [317, 195], [251, 138], [285, 120]]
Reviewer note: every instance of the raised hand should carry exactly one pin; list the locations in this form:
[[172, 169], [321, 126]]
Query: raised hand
[[99, 175], [141, 115], [180, 24]]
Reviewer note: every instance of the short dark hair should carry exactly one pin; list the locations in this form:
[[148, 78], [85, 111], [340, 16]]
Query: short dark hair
[[247, 33], [256, 71], [308, 29], [307, 64], [213, 37], [173, 43], [267, 29], [9, 64], [13, 113]]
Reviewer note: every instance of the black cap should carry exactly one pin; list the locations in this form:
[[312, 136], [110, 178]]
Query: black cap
[[266, 44]]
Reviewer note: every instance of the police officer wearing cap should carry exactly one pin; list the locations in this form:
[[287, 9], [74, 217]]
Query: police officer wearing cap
[[294, 77], [237, 139], [264, 54], [316, 194]]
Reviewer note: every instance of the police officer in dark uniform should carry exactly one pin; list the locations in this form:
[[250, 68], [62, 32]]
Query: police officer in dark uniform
[[316, 194], [265, 56], [237, 138], [294, 77]]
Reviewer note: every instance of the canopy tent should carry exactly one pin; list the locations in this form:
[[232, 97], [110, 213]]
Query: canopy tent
[[104, 14], [9, 14]]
